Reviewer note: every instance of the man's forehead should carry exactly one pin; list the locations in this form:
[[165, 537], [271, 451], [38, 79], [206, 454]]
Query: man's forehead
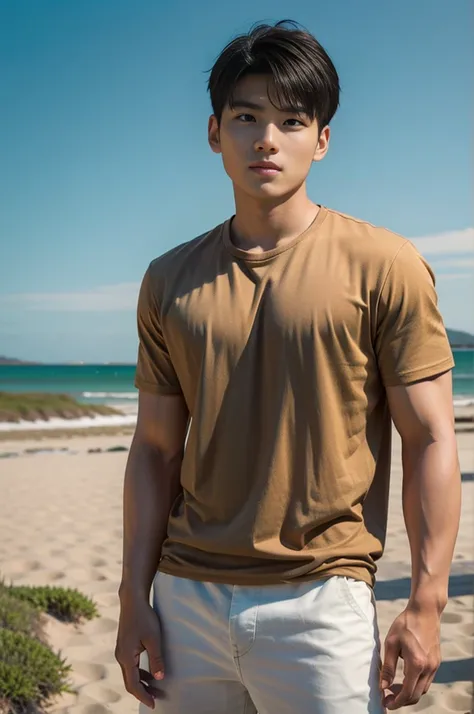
[[258, 92], [253, 90], [259, 101]]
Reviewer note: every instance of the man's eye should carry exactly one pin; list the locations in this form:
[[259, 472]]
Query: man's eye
[[246, 118]]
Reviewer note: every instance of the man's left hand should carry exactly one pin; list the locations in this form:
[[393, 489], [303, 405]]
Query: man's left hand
[[415, 638]]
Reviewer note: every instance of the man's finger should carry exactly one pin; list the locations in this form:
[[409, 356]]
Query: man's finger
[[151, 685], [389, 666], [414, 669], [389, 698], [429, 680], [155, 661], [133, 685], [420, 689]]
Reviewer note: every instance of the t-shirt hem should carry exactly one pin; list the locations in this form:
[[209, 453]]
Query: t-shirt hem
[[253, 579], [420, 373], [154, 388]]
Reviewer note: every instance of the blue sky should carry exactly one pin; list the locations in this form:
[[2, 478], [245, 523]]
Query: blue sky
[[105, 161]]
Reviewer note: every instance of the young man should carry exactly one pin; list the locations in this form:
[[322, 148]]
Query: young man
[[286, 339]]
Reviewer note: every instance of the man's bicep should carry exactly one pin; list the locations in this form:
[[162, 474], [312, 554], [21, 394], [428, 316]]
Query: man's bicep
[[423, 410], [162, 422]]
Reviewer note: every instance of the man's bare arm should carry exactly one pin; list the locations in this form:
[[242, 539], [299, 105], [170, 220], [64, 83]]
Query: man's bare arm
[[152, 483], [423, 415]]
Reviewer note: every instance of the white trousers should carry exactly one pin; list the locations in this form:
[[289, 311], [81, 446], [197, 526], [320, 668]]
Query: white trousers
[[310, 648]]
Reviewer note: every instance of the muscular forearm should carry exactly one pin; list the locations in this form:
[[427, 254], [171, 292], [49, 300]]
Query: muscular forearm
[[150, 488], [431, 505]]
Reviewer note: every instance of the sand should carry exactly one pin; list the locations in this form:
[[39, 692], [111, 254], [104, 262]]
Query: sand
[[61, 523]]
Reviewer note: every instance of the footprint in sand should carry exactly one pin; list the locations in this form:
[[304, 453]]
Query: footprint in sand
[[100, 694], [93, 709], [459, 602], [99, 549], [20, 567], [79, 640], [98, 562], [427, 701], [54, 577], [458, 702], [451, 618], [58, 553], [81, 575], [88, 671], [101, 627]]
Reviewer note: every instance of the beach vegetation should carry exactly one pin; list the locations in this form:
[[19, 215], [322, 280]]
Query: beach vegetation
[[31, 673], [36, 406], [18, 615], [66, 604]]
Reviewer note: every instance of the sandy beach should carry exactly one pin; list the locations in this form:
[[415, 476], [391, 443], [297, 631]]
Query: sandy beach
[[61, 523]]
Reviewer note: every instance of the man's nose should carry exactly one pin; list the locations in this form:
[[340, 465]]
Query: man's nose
[[267, 141]]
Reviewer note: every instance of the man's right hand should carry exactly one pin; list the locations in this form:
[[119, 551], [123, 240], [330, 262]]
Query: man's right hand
[[139, 631]]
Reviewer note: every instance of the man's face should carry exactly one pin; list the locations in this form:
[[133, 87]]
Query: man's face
[[255, 131]]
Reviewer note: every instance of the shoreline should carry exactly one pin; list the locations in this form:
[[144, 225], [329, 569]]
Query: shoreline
[[66, 433], [118, 421]]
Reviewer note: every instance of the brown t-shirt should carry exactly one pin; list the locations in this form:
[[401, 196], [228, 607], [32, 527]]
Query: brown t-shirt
[[282, 358]]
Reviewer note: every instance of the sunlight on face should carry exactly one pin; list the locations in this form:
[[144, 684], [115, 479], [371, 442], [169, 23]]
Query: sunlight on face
[[255, 130]]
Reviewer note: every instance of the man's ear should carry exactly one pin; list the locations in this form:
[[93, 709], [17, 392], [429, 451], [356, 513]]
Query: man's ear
[[323, 144], [214, 134]]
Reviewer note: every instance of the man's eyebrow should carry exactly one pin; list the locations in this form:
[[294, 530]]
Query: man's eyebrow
[[247, 104]]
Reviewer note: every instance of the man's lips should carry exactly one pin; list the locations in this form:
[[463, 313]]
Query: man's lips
[[265, 165]]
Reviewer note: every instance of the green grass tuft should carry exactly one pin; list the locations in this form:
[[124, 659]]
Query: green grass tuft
[[18, 615], [65, 604], [37, 406], [29, 671]]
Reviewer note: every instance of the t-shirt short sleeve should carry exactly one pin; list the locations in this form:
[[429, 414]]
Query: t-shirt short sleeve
[[411, 342], [155, 372]]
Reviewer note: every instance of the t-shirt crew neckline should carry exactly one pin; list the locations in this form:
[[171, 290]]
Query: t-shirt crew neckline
[[251, 257]]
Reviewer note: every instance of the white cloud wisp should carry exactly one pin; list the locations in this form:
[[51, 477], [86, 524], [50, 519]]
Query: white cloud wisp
[[106, 298]]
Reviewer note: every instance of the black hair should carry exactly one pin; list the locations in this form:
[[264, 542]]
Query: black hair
[[303, 74]]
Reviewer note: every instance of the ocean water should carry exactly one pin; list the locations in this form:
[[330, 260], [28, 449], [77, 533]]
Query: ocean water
[[93, 384], [113, 384]]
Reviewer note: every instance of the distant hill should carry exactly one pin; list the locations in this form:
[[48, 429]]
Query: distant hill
[[458, 338], [12, 360]]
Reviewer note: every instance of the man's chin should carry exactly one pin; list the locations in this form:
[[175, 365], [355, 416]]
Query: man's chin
[[266, 189]]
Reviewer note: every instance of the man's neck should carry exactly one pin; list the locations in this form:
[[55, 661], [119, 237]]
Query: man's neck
[[259, 226]]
